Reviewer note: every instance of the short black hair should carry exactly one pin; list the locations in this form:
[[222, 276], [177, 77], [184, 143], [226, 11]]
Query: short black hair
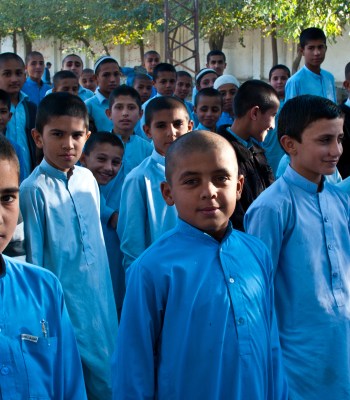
[[180, 74], [279, 66], [8, 153], [72, 55], [88, 71], [347, 71], [162, 103], [10, 56], [31, 55], [163, 67], [254, 93], [124, 90], [60, 75], [311, 34], [301, 111], [59, 105], [215, 53], [208, 92], [151, 52], [139, 77], [48, 64], [5, 98], [102, 137]]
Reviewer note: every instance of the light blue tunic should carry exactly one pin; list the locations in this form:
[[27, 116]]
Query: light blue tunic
[[308, 235], [35, 364], [201, 127], [143, 214], [34, 91], [97, 106], [63, 234], [225, 119], [198, 320], [307, 82]]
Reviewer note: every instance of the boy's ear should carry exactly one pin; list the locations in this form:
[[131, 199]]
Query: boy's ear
[[88, 133], [166, 193], [147, 131], [38, 139], [108, 113], [254, 111], [141, 113], [83, 159], [346, 85], [288, 145], [190, 125], [240, 183]]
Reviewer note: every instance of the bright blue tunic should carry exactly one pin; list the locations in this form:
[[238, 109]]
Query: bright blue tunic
[[63, 234], [38, 360], [308, 235], [34, 91], [97, 106], [198, 321]]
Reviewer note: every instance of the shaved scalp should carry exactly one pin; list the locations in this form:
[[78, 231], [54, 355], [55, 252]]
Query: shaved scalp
[[194, 142]]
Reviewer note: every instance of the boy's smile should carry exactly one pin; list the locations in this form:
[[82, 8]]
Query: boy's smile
[[62, 141], [12, 77], [208, 111], [204, 188]]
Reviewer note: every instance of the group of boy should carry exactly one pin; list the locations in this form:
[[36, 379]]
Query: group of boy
[[209, 311]]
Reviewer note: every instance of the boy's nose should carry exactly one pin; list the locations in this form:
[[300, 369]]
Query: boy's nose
[[208, 190]]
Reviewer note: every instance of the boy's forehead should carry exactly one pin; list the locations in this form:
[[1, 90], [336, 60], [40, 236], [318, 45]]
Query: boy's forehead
[[166, 115], [216, 58], [36, 58], [315, 42], [74, 59], [68, 81], [166, 75], [141, 81], [12, 64], [124, 99]]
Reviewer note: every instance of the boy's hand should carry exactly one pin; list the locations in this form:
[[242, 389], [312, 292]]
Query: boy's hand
[[113, 220]]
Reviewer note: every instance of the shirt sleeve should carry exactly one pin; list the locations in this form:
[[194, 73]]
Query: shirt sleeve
[[134, 361], [292, 89], [33, 211], [131, 229]]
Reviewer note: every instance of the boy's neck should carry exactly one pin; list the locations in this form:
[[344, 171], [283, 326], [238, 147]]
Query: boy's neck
[[125, 135], [315, 70], [37, 80], [105, 94], [241, 129]]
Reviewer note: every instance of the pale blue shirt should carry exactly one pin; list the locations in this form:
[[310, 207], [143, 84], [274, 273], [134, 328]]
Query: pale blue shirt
[[16, 131], [198, 321], [308, 235], [143, 214], [97, 106], [201, 127], [307, 82], [63, 234], [35, 364], [225, 119], [34, 91]]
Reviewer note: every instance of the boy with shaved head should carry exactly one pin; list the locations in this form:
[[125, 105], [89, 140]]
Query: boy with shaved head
[[198, 313]]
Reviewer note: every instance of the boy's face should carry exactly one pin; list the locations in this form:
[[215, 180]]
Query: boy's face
[[144, 88], [183, 87], [208, 111], [166, 126], [88, 81], [151, 61], [124, 113], [9, 201], [207, 80], [104, 161], [319, 150], [69, 85], [228, 92], [204, 188], [62, 141], [74, 64], [108, 78], [165, 83], [12, 76], [314, 54], [35, 67], [217, 63], [5, 116], [263, 121], [278, 81]]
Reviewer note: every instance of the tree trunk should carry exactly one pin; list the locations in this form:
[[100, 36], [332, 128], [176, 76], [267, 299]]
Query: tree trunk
[[274, 49], [216, 41], [296, 61], [14, 41], [141, 44], [28, 45], [106, 50], [88, 46]]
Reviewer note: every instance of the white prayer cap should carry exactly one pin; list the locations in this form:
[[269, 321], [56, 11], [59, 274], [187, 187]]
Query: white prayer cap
[[224, 79]]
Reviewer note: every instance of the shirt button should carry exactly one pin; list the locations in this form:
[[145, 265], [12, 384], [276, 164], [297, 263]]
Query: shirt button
[[240, 321], [232, 280], [326, 219], [4, 370], [330, 247], [335, 274]]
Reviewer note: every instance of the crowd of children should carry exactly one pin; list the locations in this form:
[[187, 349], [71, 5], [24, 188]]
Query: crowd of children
[[163, 257]]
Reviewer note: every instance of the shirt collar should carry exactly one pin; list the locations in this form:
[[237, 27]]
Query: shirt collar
[[347, 103], [2, 266], [246, 143], [193, 231], [100, 97], [292, 176], [56, 173], [158, 157], [201, 127]]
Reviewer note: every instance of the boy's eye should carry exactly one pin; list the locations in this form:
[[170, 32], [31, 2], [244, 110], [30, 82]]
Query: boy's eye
[[101, 159], [8, 198], [222, 179], [178, 123], [77, 135], [191, 181], [116, 163]]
